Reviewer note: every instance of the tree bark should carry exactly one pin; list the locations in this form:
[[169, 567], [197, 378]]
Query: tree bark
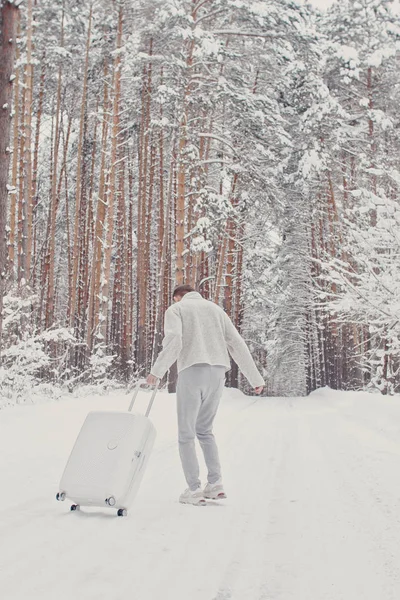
[[14, 179], [115, 132], [8, 21], [54, 195], [94, 294], [27, 205], [75, 265], [142, 241]]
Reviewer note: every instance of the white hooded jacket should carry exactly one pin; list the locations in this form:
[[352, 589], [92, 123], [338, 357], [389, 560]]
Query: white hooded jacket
[[198, 331]]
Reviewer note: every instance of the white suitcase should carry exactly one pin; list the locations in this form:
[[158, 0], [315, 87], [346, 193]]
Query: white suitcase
[[108, 460]]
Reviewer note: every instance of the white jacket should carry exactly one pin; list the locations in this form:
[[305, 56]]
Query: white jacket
[[199, 331]]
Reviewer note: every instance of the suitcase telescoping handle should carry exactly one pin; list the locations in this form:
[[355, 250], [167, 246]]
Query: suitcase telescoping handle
[[147, 389]]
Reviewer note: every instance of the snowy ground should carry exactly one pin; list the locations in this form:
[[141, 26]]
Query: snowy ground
[[313, 511]]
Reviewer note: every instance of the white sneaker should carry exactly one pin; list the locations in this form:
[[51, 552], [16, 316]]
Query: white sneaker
[[195, 497], [214, 491]]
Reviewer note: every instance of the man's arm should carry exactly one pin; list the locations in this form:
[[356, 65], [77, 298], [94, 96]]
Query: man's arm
[[240, 353], [172, 342]]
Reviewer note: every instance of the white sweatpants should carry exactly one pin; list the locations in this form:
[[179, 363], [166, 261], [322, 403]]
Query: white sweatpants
[[198, 393]]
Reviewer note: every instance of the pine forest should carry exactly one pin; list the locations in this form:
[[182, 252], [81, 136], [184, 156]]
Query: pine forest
[[249, 148]]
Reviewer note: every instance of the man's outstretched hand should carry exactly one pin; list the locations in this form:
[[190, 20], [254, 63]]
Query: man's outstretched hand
[[151, 379], [259, 389]]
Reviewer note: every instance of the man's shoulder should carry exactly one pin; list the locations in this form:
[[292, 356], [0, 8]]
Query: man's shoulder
[[213, 307], [173, 309], [194, 305]]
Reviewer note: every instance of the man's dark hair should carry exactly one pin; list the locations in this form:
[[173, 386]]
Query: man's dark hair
[[181, 290]]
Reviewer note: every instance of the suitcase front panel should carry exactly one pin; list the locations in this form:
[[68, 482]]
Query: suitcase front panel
[[110, 450]]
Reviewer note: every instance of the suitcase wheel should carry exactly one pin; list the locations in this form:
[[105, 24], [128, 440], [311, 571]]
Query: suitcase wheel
[[122, 512], [60, 496], [75, 507]]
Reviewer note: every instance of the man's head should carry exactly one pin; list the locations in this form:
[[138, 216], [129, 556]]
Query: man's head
[[180, 291]]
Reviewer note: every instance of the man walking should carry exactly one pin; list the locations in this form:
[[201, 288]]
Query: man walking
[[199, 335]]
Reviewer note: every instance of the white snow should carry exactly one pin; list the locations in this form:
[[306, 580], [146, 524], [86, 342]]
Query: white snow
[[312, 511], [379, 56], [348, 54], [261, 8], [311, 162], [210, 46]]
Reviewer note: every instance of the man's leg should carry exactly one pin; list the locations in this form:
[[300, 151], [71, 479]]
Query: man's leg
[[188, 395], [212, 392]]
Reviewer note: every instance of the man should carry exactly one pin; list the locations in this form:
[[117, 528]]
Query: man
[[199, 335]]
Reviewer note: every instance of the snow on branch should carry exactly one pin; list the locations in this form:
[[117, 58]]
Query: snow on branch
[[214, 13], [246, 33], [218, 138]]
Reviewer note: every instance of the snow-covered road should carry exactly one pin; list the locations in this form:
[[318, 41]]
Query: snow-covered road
[[313, 511]]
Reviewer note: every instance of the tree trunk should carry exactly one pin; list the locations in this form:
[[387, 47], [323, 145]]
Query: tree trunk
[[20, 206], [75, 255], [8, 21], [54, 199], [112, 187], [14, 180], [27, 212], [35, 166], [129, 268], [143, 242], [94, 294]]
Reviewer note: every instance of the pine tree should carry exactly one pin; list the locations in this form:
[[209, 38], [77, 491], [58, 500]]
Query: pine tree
[[8, 28]]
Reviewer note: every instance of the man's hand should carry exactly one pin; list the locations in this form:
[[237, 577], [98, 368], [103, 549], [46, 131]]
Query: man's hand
[[152, 379], [259, 389]]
